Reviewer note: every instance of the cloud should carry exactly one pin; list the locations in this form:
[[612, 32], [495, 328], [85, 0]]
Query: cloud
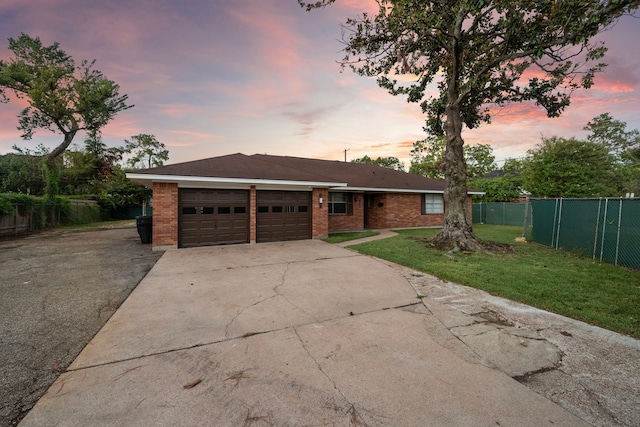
[[209, 78]]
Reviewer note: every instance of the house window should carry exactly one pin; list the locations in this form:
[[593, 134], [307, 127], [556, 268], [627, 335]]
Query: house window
[[433, 204], [340, 204]]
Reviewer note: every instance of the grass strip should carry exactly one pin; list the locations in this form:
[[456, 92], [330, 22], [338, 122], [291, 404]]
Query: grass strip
[[558, 281]]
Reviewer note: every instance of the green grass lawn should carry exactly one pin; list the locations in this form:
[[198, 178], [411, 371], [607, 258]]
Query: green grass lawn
[[349, 235], [557, 281]]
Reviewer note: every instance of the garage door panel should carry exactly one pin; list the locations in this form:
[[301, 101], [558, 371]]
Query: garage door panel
[[283, 215], [213, 217]]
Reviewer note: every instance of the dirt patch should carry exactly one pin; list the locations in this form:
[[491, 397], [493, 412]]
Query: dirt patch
[[58, 289], [488, 246]]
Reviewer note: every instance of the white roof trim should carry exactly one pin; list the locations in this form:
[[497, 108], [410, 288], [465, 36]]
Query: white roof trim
[[184, 181], [397, 190], [244, 181]]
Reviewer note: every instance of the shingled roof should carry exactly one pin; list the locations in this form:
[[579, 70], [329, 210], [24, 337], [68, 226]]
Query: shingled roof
[[262, 167]]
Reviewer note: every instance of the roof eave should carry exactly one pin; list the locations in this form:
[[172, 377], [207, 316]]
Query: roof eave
[[149, 179], [401, 190]]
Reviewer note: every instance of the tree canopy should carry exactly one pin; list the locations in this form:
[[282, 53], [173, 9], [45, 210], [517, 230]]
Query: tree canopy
[[385, 162], [427, 158], [561, 167], [63, 98], [146, 151], [613, 134], [505, 188], [477, 53]]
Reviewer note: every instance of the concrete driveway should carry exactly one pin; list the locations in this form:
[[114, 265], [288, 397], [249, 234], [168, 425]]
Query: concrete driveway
[[300, 333]]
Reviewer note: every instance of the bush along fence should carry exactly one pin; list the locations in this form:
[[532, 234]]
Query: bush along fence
[[604, 229], [21, 214]]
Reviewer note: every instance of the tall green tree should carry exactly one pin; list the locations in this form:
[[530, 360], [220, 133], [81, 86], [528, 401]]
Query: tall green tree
[[505, 188], [623, 144], [427, 158], [513, 165], [560, 167], [21, 173], [612, 133], [479, 159], [477, 53], [385, 162], [145, 151], [63, 98]]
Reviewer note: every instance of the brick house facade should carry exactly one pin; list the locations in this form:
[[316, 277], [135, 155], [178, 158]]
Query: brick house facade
[[228, 195]]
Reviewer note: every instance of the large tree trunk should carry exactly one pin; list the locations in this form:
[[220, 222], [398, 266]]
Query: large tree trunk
[[457, 233], [52, 167], [68, 138]]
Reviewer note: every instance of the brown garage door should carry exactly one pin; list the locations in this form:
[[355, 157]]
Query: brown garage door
[[213, 217], [283, 215]]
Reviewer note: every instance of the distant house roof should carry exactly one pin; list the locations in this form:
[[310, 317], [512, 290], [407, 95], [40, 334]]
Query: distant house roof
[[265, 170]]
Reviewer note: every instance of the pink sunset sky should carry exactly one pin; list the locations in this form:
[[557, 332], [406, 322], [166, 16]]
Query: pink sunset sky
[[210, 78]]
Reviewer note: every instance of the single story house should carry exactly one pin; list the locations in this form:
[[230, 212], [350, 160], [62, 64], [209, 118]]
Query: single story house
[[262, 198]]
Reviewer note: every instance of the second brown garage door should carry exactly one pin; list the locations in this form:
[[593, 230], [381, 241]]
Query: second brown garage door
[[283, 215], [212, 217]]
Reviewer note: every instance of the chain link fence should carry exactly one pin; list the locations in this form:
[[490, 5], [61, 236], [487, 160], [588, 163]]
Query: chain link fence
[[29, 218], [603, 229], [502, 213]]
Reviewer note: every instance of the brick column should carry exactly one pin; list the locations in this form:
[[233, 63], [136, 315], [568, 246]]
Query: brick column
[[165, 216], [320, 213], [252, 214]]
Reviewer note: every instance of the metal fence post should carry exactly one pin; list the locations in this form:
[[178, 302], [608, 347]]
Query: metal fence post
[[526, 207], [559, 221], [595, 238], [604, 226], [619, 226], [553, 229]]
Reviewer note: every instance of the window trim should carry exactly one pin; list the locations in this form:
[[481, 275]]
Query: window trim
[[431, 196], [348, 203]]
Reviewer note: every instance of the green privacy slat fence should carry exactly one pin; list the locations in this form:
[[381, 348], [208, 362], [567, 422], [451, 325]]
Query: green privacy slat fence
[[501, 213], [604, 229]]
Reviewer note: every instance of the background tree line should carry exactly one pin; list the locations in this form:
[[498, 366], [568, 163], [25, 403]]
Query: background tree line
[[93, 171], [604, 164]]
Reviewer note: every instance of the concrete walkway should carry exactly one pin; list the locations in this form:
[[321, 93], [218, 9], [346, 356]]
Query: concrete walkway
[[384, 234], [300, 333]]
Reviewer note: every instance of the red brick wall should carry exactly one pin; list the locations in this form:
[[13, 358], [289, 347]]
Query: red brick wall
[[374, 213], [399, 211], [342, 222], [165, 215], [319, 213], [402, 210]]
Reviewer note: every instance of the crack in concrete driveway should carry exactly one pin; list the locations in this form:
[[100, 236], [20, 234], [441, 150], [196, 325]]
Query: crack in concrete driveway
[[329, 337]]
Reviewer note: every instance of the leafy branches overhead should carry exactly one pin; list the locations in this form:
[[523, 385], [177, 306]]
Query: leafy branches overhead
[[63, 98], [481, 52]]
